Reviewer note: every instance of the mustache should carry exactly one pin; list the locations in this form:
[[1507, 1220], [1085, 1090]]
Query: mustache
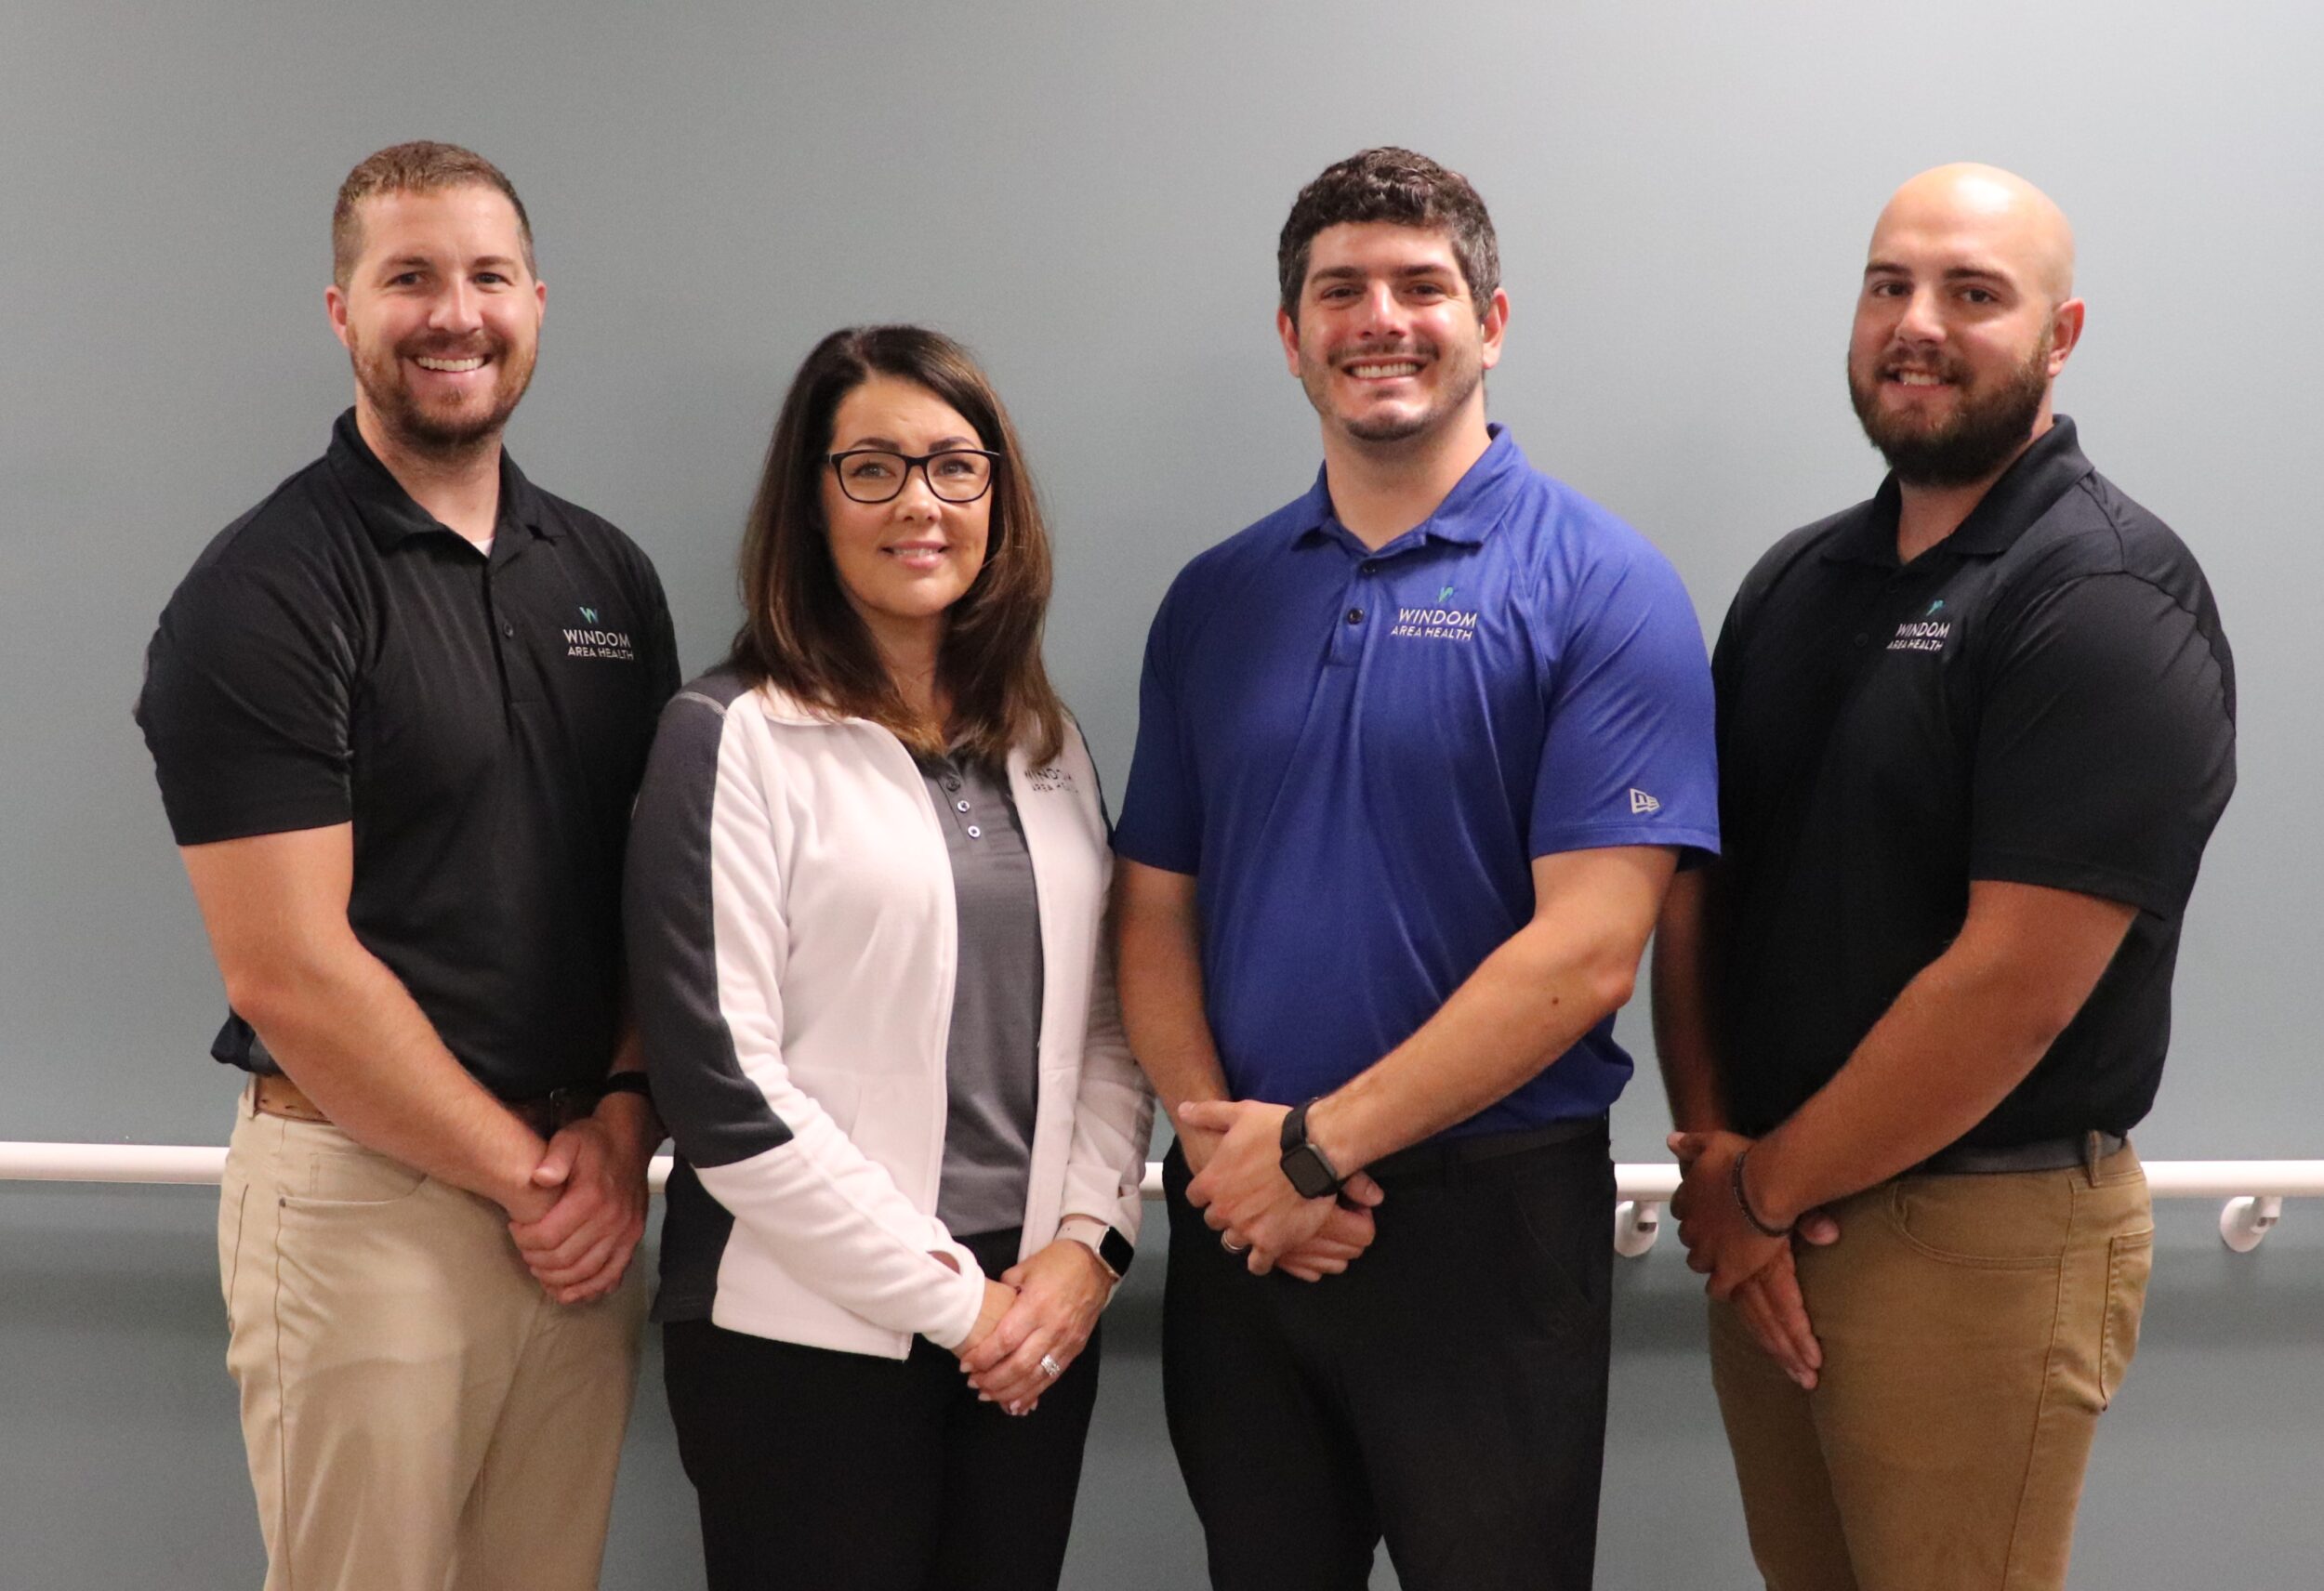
[[1945, 367], [433, 347], [1366, 354]]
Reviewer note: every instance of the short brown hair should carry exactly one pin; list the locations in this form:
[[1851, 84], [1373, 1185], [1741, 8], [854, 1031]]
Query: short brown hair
[[421, 168], [1390, 184], [799, 631]]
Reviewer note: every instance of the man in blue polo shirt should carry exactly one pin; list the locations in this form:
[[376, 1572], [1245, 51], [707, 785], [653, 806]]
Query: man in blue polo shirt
[[1417, 757]]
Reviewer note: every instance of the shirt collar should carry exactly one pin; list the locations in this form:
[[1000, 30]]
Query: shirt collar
[[389, 512], [1466, 516], [2043, 473], [2038, 477]]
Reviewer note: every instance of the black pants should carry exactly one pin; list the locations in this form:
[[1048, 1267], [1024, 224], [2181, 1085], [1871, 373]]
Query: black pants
[[820, 1470], [1447, 1392]]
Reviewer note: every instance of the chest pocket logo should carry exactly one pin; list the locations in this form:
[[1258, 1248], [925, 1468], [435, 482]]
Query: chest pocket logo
[[595, 638], [1927, 633], [1437, 622]]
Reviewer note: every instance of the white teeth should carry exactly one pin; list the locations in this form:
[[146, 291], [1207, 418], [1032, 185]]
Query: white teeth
[[452, 365], [1373, 372], [1918, 378]]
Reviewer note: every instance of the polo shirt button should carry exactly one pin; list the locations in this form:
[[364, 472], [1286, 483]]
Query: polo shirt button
[[952, 782], [1367, 567], [1355, 615], [959, 805], [976, 833], [1863, 639], [509, 630]]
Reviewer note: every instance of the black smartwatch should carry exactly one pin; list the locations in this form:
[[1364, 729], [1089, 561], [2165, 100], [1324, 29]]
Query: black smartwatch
[[1311, 1173]]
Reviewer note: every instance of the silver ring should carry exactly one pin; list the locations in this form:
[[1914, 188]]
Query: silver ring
[[1051, 1368], [1228, 1243]]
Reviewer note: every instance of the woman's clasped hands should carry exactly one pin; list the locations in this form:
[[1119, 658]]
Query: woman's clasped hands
[[1035, 1319]]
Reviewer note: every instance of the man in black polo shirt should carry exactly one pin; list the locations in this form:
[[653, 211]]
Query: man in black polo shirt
[[1973, 736], [398, 712]]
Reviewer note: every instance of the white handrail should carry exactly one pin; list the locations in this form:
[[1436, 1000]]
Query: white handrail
[[2255, 1190]]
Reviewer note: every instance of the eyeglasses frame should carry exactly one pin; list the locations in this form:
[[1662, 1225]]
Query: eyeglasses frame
[[837, 461]]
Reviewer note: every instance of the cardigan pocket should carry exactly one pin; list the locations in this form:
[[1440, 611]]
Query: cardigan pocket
[[891, 1127], [840, 1094]]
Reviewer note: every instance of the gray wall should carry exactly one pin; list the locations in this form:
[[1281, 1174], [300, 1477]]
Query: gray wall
[[1089, 195]]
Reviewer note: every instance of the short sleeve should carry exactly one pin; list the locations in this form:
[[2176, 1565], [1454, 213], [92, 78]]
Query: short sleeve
[[245, 708], [1628, 759], [1161, 824], [2104, 746], [1735, 632], [661, 658]]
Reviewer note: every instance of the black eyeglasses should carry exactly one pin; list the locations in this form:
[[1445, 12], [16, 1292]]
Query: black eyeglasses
[[876, 475]]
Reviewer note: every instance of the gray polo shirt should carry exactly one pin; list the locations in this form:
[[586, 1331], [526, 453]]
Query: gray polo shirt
[[992, 1056]]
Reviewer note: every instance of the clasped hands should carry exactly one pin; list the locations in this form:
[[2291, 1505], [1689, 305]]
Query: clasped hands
[[593, 1177], [1036, 1320], [1234, 1149], [1748, 1269]]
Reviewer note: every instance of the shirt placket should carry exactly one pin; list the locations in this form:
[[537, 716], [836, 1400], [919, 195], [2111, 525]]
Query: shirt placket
[[1364, 606], [520, 667], [964, 817]]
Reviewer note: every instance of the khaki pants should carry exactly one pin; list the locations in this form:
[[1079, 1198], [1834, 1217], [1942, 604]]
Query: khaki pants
[[418, 1415], [1973, 1329]]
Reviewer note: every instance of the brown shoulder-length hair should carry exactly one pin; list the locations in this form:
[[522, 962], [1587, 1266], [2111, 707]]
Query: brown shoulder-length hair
[[801, 633]]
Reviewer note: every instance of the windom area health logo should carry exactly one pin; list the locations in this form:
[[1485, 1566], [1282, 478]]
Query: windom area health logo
[[593, 640], [1928, 633], [1440, 623]]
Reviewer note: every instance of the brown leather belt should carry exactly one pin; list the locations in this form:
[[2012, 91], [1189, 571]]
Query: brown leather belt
[[272, 1094]]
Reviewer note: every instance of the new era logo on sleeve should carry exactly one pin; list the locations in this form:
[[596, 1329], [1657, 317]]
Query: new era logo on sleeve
[[1642, 802]]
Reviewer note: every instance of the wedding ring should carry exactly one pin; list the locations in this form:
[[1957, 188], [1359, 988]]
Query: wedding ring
[[1228, 1243], [1051, 1368]]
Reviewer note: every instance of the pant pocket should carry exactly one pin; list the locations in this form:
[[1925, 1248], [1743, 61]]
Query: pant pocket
[[233, 1195], [328, 1170], [2130, 1260], [1553, 1223], [2005, 1222]]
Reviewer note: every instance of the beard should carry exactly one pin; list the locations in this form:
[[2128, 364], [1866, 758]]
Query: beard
[[441, 431], [1397, 426], [1985, 430]]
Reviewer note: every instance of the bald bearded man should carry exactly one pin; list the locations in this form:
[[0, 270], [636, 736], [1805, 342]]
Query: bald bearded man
[[1973, 736]]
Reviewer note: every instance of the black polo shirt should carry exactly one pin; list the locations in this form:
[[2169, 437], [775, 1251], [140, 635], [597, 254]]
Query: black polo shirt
[[2044, 697], [337, 655]]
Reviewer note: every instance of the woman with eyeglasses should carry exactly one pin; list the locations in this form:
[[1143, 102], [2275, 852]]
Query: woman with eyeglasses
[[866, 893]]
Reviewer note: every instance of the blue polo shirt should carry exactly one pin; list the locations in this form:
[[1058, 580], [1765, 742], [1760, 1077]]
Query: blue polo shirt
[[1357, 754]]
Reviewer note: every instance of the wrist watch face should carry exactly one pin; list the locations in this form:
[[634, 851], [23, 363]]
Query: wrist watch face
[[1117, 1252], [1310, 1173], [1306, 1168]]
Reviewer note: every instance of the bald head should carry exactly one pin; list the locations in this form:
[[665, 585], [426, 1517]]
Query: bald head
[[1987, 210], [1966, 318]]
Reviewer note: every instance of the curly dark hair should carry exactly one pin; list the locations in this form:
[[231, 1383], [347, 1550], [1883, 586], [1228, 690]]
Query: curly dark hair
[[1391, 184]]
